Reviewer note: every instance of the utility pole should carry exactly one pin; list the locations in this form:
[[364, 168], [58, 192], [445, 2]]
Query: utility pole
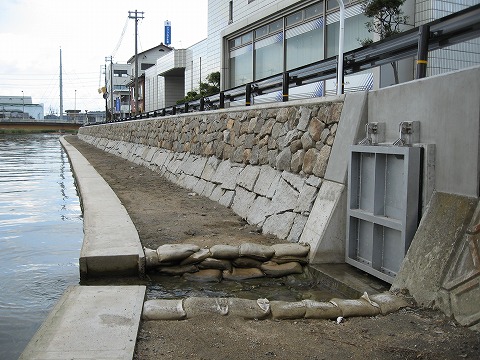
[[111, 84], [61, 88], [136, 15]]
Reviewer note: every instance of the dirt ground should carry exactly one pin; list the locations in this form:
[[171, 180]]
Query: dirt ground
[[165, 213]]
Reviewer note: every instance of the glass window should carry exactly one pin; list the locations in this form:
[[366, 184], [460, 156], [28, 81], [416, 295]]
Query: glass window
[[269, 56], [314, 10], [247, 38], [241, 71], [275, 26], [355, 30], [304, 44], [261, 31], [294, 18]]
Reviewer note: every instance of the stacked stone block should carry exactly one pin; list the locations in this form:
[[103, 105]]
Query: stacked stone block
[[267, 164]]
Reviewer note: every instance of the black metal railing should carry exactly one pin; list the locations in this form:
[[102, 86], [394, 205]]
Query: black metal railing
[[449, 30]]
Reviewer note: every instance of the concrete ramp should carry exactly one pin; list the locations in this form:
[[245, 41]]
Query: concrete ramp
[[111, 244], [90, 322]]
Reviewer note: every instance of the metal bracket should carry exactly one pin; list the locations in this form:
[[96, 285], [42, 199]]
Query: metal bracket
[[409, 133], [375, 134]]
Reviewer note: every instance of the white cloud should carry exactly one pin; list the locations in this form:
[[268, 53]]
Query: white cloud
[[32, 32]]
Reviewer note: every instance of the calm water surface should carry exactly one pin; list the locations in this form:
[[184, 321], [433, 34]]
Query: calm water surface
[[40, 235]]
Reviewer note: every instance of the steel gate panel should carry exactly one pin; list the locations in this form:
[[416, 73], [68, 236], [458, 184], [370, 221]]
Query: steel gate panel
[[383, 205]]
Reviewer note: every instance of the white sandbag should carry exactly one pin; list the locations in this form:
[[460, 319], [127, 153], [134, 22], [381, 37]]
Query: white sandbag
[[177, 270], [224, 251], [206, 275], [360, 307], [239, 274], [287, 259], [245, 262], [198, 306], [292, 250], [256, 251], [249, 309], [287, 309], [211, 263], [321, 310], [196, 257], [272, 269], [389, 302], [175, 252], [162, 309], [151, 258]]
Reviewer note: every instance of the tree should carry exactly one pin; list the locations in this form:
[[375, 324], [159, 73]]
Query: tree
[[386, 17], [212, 86]]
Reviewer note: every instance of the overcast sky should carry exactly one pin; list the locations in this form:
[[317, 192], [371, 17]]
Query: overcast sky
[[33, 31]]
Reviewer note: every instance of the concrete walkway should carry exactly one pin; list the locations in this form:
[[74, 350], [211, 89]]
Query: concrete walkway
[[111, 244], [90, 322]]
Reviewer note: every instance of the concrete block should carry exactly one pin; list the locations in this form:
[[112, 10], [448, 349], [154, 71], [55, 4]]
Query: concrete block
[[90, 322], [296, 181], [260, 209], [350, 130], [227, 198], [279, 225], [297, 228], [285, 198], [325, 230], [243, 201], [305, 199], [248, 177], [199, 166], [210, 168], [266, 178]]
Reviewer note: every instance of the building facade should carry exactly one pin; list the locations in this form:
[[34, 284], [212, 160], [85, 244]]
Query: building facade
[[249, 40], [118, 93], [20, 108]]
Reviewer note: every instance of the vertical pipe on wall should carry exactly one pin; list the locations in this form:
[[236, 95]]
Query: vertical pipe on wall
[[340, 48], [422, 53]]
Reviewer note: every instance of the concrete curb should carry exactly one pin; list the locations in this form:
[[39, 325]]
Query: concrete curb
[[111, 244]]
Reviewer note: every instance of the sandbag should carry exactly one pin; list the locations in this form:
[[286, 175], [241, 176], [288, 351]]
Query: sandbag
[[211, 263], [246, 263], [389, 302], [206, 275], [198, 306], [177, 270], [196, 257], [256, 251], [291, 250], [151, 258], [287, 259], [224, 251], [175, 252], [239, 274], [162, 309], [272, 269], [360, 307], [249, 309], [321, 310], [287, 309]]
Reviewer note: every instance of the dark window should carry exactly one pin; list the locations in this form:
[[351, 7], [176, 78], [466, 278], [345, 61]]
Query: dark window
[[146, 66]]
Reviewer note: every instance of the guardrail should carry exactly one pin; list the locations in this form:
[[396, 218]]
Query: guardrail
[[449, 30]]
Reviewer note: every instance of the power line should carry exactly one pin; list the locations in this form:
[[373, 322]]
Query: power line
[[121, 38]]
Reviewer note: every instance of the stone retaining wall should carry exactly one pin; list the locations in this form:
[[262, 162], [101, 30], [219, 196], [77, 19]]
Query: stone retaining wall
[[266, 163]]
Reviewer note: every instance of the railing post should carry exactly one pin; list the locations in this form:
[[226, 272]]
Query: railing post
[[174, 110], [202, 103], [285, 86], [186, 107], [221, 105], [248, 94], [422, 53], [340, 77]]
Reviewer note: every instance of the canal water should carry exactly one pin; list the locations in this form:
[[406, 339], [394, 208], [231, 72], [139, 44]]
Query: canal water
[[40, 235]]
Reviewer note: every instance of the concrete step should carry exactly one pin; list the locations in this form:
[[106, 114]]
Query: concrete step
[[90, 322]]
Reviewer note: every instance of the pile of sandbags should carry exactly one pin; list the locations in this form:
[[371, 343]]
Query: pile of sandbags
[[247, 261], [180, 309]]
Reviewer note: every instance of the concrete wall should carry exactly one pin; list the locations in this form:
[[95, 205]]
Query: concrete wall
[[269, 164], [447, 107]]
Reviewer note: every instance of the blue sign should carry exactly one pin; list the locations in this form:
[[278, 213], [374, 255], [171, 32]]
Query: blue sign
[[117, 104], [168, 33]]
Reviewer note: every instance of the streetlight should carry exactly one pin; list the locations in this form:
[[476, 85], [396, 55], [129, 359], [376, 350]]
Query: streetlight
[[75, 100], [23, 100]]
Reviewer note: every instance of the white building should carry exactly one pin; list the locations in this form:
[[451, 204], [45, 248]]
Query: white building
[[20, 107], [118, 97], [252, 39]]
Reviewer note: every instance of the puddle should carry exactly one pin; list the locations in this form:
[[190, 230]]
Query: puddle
[[289, 288]]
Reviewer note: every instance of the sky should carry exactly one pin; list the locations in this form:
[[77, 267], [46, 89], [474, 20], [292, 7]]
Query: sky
[[87, 31]]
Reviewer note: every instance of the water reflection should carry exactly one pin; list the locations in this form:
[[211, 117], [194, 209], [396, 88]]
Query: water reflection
[[40, 235]]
